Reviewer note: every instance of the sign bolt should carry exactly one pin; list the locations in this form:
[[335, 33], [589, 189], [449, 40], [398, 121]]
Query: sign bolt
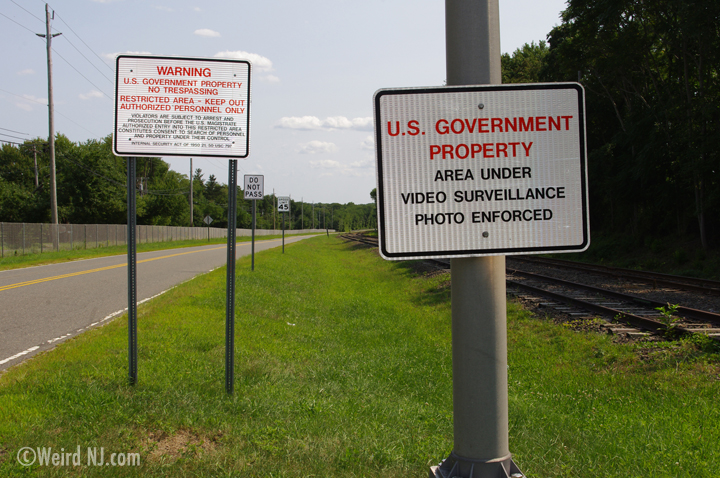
[[485, 234], [481, 106]]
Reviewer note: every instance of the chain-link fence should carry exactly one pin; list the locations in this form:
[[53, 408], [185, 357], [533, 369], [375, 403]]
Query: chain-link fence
[[31, 238]]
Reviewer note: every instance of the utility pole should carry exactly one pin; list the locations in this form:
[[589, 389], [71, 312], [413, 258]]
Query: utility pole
[[51, 111], [191, 194], [302, 213], [37, 182]]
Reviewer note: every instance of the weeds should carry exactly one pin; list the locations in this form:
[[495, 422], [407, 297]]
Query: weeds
[[669, 320]]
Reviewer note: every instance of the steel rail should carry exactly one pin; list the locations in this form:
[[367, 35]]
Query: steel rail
[[656, 278], [686, 311]]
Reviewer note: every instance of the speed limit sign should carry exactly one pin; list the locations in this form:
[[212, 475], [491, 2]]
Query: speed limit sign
[[283, 203]]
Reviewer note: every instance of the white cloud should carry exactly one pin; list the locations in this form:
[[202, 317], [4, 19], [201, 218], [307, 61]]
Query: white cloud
[[206, 32], [304, 122], [30, 102], [332, 168], [315, 147], [259, 63], [164, 9], [28, 71], [326, 164], [197, 9], [362, 164], [329, 123], [270, 79], [92, 94], [368, 143]]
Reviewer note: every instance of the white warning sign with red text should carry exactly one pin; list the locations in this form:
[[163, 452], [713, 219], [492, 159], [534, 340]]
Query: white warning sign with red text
[[169, 106], [481, 170]]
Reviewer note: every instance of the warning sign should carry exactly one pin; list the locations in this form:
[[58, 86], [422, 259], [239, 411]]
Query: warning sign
[[167, 106], [481, 170]]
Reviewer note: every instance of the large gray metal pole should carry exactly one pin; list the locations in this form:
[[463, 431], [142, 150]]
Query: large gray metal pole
[[479, 338]]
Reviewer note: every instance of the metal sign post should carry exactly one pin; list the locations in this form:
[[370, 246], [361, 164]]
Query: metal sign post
[[208, 220], [479, 315], [254, 187], [173, 106], [230, 288], [283, 207], [471, 172], [132, 272]]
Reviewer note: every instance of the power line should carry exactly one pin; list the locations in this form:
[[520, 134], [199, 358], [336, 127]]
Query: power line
[[86, 58], [11, 136], [28, 11], [26, 28], [88, 46], [10, 142], [12, 131], [78, 72], [45, 104]]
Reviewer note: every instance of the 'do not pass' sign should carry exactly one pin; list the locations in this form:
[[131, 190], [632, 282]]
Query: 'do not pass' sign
[[170, 106], [254, 186], [481, 170]]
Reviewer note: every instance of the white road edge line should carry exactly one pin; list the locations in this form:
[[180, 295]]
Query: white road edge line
[[24, 352], [108, 317]]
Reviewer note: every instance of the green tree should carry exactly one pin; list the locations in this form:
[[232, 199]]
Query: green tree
[[651, 73], [526, 64]]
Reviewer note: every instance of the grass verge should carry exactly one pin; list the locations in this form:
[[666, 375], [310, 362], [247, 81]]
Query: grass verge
[[343, 369], [37, 259]]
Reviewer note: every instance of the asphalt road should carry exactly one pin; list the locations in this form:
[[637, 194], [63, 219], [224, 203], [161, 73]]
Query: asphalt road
[[45, 305]]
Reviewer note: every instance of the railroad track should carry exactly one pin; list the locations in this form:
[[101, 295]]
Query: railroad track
[[623, 313], [655, 279]]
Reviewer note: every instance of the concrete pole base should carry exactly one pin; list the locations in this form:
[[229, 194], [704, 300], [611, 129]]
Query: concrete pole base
[[458, 467]]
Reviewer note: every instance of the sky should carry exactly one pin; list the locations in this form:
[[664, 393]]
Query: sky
[[316, 65]]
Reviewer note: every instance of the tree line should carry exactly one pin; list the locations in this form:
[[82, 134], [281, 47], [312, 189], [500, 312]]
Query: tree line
[[651, 73], [91, 189]]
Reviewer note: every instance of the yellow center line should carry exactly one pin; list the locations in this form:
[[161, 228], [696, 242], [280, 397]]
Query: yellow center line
[[89, 271]]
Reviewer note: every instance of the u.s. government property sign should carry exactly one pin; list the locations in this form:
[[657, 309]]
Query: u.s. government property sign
[[481, 170], [170, 106]]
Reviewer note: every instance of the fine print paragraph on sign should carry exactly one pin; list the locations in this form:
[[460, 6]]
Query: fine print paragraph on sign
[[481, 170], [182, 107]]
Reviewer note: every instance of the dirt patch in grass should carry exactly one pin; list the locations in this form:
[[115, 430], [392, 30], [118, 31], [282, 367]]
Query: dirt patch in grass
[[164, 447], [426, 268]]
